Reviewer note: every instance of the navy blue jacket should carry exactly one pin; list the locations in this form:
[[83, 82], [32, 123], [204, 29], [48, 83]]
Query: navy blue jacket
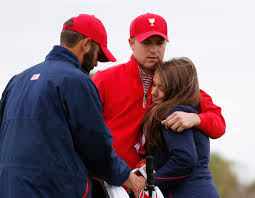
[[182, 168], [53, 134]]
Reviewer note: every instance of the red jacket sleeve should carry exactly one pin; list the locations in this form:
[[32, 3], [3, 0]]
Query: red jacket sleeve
[[212, 122]]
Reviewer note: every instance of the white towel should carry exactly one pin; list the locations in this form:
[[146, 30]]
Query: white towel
[[116, 191], [155, 194]]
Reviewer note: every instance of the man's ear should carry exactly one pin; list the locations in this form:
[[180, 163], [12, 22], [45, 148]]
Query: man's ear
[[131, 43], [86, 45]]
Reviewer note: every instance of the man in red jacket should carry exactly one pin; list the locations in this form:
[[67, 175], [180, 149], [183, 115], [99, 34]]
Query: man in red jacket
[[125, 91]]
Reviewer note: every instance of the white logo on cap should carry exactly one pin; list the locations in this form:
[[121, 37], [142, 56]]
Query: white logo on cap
[[152, 20]]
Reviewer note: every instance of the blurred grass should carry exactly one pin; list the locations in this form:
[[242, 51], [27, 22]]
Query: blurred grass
[[226, 181]]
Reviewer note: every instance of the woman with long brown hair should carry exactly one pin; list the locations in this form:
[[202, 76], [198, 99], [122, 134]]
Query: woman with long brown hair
[[180, 159]]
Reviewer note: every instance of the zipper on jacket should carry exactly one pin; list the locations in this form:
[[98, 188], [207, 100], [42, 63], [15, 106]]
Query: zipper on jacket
[[145, 89], [144, 100]]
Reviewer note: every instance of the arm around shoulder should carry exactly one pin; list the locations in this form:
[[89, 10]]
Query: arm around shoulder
[[212, 122]]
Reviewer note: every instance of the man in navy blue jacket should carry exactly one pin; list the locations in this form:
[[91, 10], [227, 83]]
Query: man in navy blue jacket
[[53, 136]]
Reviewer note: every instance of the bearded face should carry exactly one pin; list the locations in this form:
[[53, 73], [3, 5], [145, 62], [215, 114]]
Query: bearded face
[[90, 59]]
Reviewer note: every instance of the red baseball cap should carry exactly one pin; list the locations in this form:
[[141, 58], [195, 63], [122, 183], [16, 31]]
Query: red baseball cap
[[92, 27], [147, 25]]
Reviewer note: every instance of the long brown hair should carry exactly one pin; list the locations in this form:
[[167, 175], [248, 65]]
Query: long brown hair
[[180, 85]]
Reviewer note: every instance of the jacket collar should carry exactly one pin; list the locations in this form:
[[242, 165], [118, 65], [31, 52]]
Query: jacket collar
[[60, 53], [133, 66]]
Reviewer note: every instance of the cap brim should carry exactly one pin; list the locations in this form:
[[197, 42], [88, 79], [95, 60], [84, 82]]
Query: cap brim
[[146, 35], [106, 55]]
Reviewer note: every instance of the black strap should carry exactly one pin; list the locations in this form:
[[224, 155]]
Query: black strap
[[149, 172]]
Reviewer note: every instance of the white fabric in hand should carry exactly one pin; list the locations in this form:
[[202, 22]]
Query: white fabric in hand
[[116, 191]]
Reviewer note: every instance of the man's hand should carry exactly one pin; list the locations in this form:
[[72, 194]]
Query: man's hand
[[135, 183], [142, 185], [179, 121]]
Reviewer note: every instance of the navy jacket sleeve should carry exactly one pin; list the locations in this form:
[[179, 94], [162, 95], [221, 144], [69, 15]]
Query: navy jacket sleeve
[[183, 156], [92, 138]]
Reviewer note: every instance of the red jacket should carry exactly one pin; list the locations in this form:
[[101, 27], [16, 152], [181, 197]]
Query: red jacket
[[122, 95]]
